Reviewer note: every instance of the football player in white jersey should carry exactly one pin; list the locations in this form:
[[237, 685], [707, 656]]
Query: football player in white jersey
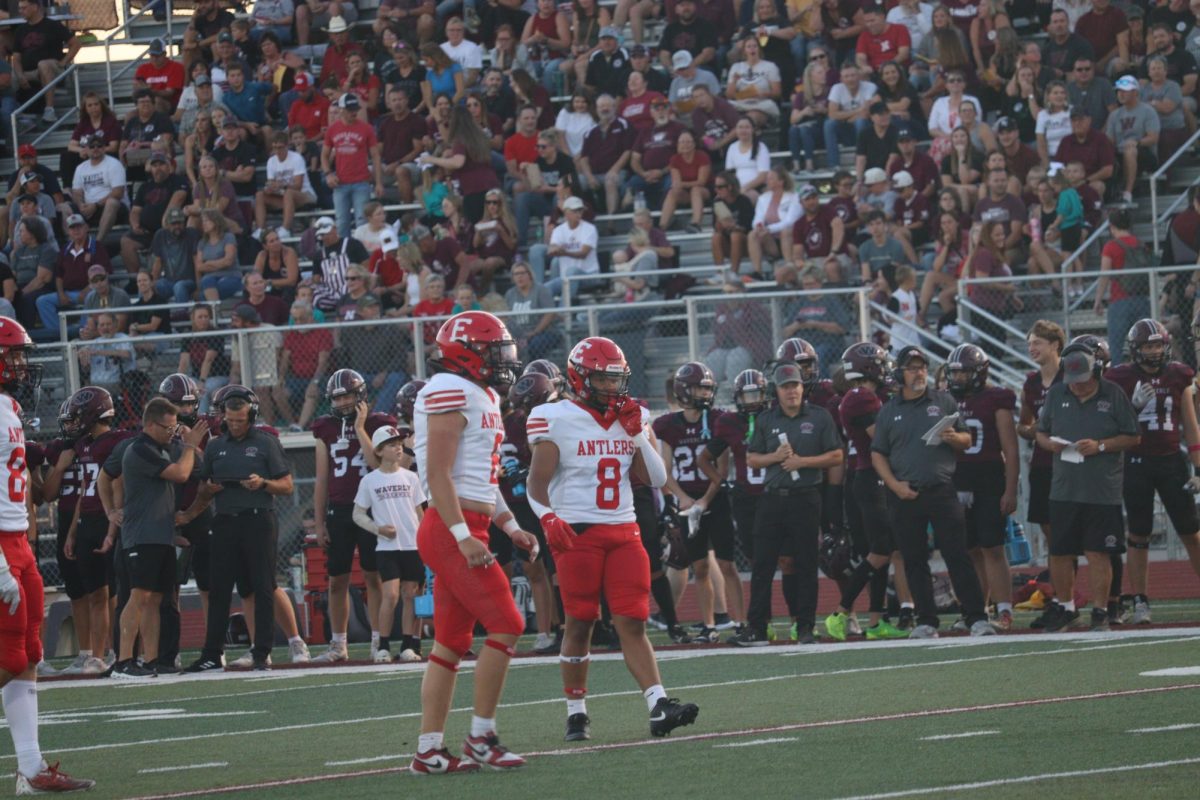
[[21, 596], [583, 453], [458, 430]]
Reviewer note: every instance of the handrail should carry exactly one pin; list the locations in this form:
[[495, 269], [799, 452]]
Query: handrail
[[64, 314], [1158, 173], [71, 71], [122, 28], [1118, 273], [972, 308]]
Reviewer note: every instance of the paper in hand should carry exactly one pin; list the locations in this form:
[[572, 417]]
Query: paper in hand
[[933, 436], [1070, 453], [784, 440]]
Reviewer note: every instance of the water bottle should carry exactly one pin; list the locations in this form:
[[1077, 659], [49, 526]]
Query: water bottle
[[1016, 546], [639, 202], [1035, 228]]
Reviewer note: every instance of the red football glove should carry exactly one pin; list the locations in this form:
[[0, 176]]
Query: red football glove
[[630, 417], [559, 534]]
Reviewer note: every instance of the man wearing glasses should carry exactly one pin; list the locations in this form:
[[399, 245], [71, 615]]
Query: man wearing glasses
[[98, 187], [150, 473], [918, 470], [1092, 92]]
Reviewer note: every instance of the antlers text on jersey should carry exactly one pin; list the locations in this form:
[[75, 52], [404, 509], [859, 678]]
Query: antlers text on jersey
[[607, 447]]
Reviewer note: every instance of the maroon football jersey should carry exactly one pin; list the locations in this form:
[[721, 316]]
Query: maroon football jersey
[[1160, 420], [1033, 397], [827, 398], [68, 490], [859, 404], [347, 467], [981, 466], [686, 439], [90, 455], [35, 455], [733, 431], [515, 445]]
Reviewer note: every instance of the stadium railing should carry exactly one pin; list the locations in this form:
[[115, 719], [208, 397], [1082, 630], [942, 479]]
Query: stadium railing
[[1184, 149], [66, 315], [71, 72], [122, 32]]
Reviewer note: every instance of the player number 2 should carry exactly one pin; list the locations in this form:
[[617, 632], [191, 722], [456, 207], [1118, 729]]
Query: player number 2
[[608, 486], [16, 475]]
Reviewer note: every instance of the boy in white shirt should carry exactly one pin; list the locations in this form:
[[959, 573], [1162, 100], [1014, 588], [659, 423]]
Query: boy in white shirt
[[287, 188], [393, 497]]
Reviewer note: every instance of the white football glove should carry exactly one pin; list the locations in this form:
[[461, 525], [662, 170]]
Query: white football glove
[[694, 513], [1143, 393], [1193, 485], [10, 590]]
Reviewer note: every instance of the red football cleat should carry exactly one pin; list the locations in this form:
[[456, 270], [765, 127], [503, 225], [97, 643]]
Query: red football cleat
[[440, 762], [50, 780], [488, 752]]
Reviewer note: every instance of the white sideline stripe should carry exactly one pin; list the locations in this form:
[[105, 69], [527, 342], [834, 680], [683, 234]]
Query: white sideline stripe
[[965, 735], [1165, 728], [371, 760], [1045, 776], [556, 700], [1171, 672], [227, 695], [206, 765], [756, 742], [700, 737]]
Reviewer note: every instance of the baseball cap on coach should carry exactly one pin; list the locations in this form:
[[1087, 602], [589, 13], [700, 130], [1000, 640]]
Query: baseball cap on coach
[[1077, 365]]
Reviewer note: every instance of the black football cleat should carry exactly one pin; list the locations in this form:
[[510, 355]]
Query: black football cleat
[[670, 714], [579, 728]]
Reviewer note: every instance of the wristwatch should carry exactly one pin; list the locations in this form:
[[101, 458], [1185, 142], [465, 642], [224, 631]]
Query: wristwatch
[[1102, 447]]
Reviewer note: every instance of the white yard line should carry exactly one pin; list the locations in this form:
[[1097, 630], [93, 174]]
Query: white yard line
[[1185, 726], [1171, 672], [965, 735], [757, 742], [206, 765]]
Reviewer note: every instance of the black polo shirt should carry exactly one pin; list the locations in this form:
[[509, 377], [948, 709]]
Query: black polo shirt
[[812, 432], [899, 429], [229, 461], [149, 499], [877, 149]]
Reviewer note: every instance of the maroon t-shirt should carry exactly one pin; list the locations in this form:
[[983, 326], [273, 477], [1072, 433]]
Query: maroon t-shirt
[[1160, 420], [603, 147], [1095, 152], [400, 136], [815, 233], [733, 433], [272, 309], [68, 490], [912, 211], [981, 466], [474, 177], [444, 262], [686, 439], [347, 467], [923, 169], [826, 397], [90, 455], [845, 209], [857, 411], [656, 144], [1033, 397]]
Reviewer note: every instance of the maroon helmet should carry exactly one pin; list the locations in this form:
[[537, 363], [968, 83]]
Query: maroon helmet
[[867, 361], [184, 393], [597, 355], [345, 383], [1098, 345], [1144, 332], [750, 392], [91, 405], [532, 390], [804, 354], [68, 423], [550, 370], [692, 376], [406, 399], [967, 370], [836, 557]]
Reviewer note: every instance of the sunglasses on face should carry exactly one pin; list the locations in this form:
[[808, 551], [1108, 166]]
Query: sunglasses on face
[[97, 279], [491, 202], [818, 57], [353, 278], [955, 80]]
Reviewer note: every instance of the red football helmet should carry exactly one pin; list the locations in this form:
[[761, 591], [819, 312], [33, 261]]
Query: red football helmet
[[406, 399], [1144, 332], [1099, 347], [692, 376], [750, 391], [967, 370], [345, 383], [531, 390], [184, 392], [596, 355], [91, 405], [867, 361], [476, 344], [550, 370], [16, 373], [805, 355]]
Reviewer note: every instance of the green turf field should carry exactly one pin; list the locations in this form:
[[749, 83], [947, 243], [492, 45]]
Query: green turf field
[[1009, 716]]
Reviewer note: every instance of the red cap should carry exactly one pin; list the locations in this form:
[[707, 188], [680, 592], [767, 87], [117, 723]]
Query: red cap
[[26, 150], [302, 82]]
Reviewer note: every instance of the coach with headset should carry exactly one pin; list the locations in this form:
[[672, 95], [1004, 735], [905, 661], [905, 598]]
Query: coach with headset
[[244, 468]]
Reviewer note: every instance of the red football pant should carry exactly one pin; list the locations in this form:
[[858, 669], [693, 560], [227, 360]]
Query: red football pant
[[463, 594], [609, 558], [21, 633]]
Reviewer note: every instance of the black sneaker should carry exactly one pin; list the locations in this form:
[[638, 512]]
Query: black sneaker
[[1059, 619], [747, 637], [1039, 622], [131, 670], [261, 663], [707, 636], [907, 620], [722, 622], [679, 635], [164, 667], [1099, 620], [1116, 612], [670, 714], [804, 634], [205, 664], [579, 728]]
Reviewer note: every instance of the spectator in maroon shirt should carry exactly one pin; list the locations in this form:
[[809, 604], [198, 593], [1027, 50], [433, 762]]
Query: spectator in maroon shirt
[[270, 307], [920, 166], [651, 158], [402, 134], [605, 154], [80, 254], [1107, 31], [1089, 147]]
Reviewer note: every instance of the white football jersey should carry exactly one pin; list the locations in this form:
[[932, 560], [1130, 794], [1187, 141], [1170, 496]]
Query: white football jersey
[[13, 514], [477, 463], [591, 484]]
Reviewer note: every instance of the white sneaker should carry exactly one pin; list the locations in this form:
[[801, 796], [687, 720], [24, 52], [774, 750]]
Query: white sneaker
[[299, 653], [982, 627], [408, 655], [335, 653], [245, 660], [543, 641], [283, 232], [49, 115], [924, 632], [852, 626], [110, 658], [75, 667], [1141, 613], [382, 657], [94, 666], [44, 670], [257, 235]]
